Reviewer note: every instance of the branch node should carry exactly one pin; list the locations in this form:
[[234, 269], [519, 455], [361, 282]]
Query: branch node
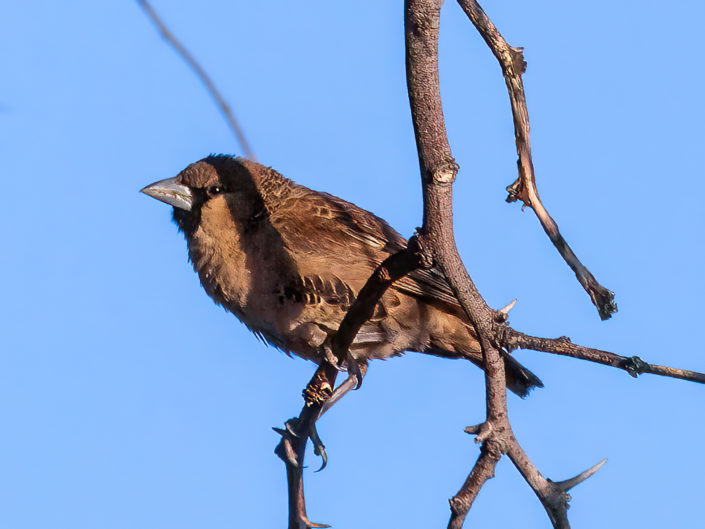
[[518, 60], [483, 431], [473, 430], [445, 176], [635, 366], [419, 250], [514, 192]]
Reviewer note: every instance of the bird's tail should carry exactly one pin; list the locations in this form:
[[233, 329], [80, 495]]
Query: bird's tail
[[519, 379]]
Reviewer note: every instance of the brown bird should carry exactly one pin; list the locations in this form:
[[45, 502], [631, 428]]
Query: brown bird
[[289, 261]]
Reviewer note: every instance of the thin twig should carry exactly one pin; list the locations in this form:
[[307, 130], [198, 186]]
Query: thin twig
[[220, 101], [511, 60], [390, 270], [490, 454], [633, 365]]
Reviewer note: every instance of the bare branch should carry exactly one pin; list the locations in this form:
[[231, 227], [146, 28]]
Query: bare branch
[[511, 60], [318, 394], [434, 245], [202, 75], [391, 269], [633, 365], [490, 454], [553, 499], [438, 170]]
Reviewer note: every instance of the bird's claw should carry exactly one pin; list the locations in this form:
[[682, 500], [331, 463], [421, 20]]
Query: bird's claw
[[290, 433], [354, 371], [352, 366], [330, 357], [318, 447]]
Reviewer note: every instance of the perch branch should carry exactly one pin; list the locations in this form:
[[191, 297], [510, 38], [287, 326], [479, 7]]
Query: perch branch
[[390, 270], [292, 447], [202, 75], [511, 60], [318, 394]]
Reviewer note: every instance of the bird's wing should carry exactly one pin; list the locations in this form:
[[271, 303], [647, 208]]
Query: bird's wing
[[430, 284], [346, 236]]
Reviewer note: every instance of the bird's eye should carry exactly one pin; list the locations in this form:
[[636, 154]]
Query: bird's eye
[[215, 190]]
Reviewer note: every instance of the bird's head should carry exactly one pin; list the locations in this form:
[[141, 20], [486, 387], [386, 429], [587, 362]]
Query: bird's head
[[214, 190]]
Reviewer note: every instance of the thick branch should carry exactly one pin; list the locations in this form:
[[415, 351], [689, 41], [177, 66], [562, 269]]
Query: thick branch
[[438, 170], [202, 75], [511, 60]]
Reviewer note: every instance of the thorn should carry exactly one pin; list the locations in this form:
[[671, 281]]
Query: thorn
[[568, 484], [509, 307], [502, 314], [280, 431], [290, 429]]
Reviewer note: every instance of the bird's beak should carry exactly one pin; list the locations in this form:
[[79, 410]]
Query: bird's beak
[[171, 192]]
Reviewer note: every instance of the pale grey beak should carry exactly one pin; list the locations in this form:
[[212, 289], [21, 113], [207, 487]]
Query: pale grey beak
[[171, 192]]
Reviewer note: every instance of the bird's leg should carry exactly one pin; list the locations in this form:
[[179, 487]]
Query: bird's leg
[[292, 447]]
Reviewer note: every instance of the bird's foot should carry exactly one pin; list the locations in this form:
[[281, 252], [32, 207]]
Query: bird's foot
[[294, 436], [327, 352], [351, 364], [354, 370], [291, 450]]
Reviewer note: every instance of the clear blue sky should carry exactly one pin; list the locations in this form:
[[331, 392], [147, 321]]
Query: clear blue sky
[[129, 400]]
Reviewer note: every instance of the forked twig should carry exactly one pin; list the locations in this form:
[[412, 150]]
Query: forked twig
[[202, 75], [438, 170], [513, 65]]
